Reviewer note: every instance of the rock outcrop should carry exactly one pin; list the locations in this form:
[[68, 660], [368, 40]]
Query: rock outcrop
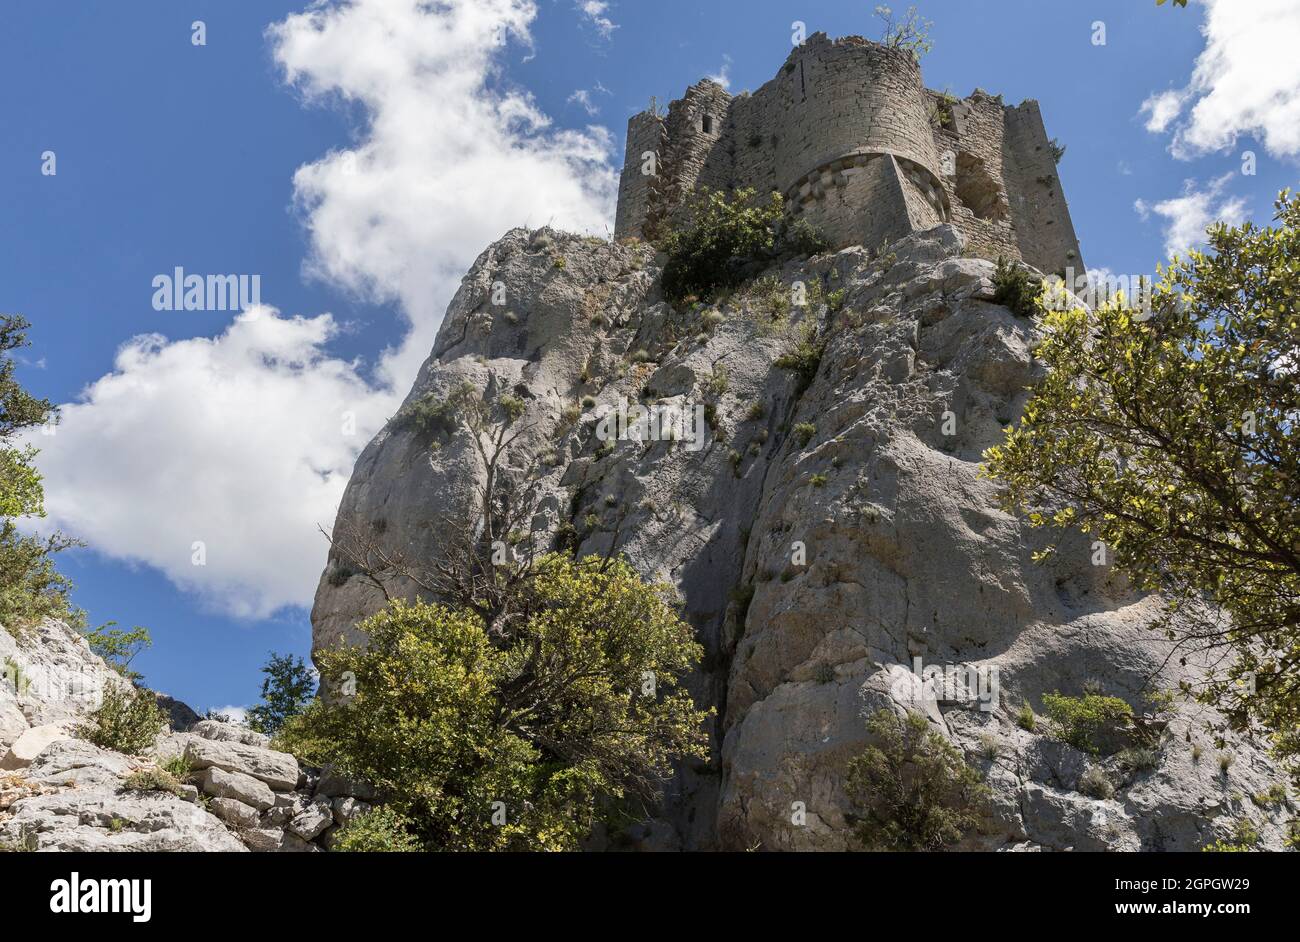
[[831, 539], [58, 792]]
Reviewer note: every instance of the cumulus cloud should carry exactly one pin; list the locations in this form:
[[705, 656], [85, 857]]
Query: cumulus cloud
[[1246, 81], [241, 444], [1187, 216], [594, 11], [239, 441], [452, 156]]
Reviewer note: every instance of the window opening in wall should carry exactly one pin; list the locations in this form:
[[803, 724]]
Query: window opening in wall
[[707, 124], [803, 84]]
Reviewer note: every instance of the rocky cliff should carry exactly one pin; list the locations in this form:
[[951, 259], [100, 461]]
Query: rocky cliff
[[832, 541], [61, 793]]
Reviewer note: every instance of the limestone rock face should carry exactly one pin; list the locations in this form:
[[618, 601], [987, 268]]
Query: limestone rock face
[[279, 770], [48, 676], [832, 541], [87, 809]]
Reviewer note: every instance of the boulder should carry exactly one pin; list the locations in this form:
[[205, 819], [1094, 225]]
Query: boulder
[[279, 770], [230, 732], [315, 818], [222, 784], [95, 813], [30, 744], [233, 812], [347, 808], [263, 839]]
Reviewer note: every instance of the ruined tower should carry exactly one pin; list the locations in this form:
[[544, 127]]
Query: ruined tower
[[850, 136]]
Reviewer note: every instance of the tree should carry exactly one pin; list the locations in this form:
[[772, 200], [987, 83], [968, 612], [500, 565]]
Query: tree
[[1170, 436], [486, 561], [911, 789], [911, 33], [119, 648], [489, 742], [1177, 3], [289, 686], [30, 587]]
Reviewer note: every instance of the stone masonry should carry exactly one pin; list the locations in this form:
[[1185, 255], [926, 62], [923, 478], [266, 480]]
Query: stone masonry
[[850, 136]]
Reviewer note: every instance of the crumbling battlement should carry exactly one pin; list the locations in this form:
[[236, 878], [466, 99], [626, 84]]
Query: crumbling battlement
[[850, 136]]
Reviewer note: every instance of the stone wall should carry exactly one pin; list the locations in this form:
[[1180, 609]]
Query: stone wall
[[814, 133]]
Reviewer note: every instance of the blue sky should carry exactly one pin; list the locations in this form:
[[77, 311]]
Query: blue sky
[[233, 157]]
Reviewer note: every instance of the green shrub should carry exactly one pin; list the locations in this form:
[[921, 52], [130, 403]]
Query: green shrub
[[803, 356], [715, 250], [803, 433], [911, 789], [1015, 288], [818, 480], [30, 587], [152, 780], [430, 415], [1275, 795], [545, 721], [1244, 839], [1095, 783], [1084, 722], [1138, 760], [379, 830], [729, 240], [1025, 719], [128, 720], [177, 766]]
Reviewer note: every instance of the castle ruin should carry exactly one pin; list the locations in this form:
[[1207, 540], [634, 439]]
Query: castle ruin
[[848, 133]]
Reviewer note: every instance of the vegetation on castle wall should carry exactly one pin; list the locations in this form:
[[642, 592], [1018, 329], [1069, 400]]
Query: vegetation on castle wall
[[729, 240], [1168, 435], [1015, 288], [519, 740]]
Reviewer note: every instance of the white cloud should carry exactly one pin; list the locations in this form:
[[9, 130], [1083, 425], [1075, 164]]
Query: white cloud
[[723, 75], [451, 158], [1162, 108], [235, 441], [594, 11], [1246, 81], [236, 714], [584, 97], [1187, 216]]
